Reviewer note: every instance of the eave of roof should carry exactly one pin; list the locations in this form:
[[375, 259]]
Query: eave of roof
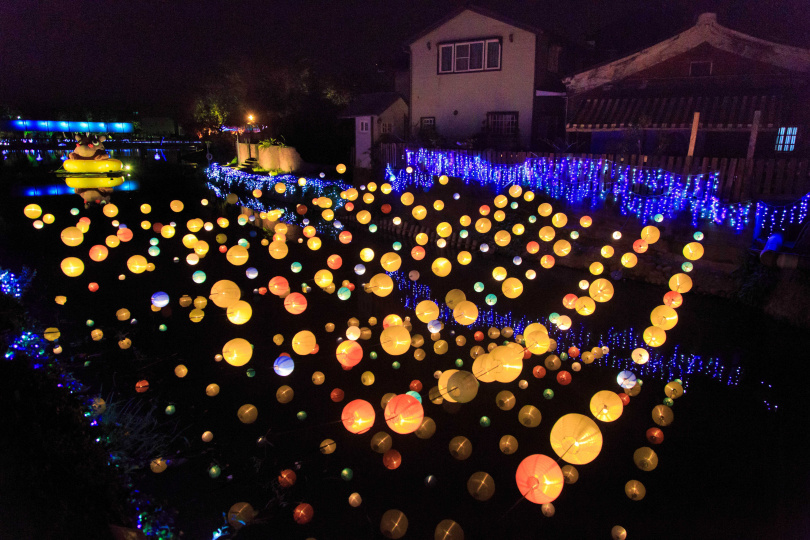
[[475, 9]]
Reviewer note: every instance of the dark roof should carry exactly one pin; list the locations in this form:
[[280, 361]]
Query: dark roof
[[370, 104], [719, 112], [475, 9]]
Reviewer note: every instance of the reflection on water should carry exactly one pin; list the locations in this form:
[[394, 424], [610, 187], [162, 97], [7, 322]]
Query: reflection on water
[[51, 157], [63, 189]]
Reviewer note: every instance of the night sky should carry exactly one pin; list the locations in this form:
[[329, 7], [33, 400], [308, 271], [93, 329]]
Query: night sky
[[152, 53]]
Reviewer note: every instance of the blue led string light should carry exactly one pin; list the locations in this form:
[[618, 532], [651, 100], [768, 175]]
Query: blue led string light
[[772, 219], [640, 192], [676, 365], [15, 285]]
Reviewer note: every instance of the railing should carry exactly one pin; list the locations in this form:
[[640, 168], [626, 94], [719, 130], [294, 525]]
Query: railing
[[739, 179]]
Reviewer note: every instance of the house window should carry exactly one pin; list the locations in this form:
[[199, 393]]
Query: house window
[[502, 123], [427, 122], [385, 127], [364, 126], [700, 69], [466, 56], [554, 58], [786, 139]]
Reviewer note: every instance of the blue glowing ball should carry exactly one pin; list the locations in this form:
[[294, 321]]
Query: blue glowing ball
[[243, 242], [359, 269], [435, 326], [463, 233], [491, 299], [658, 218], [478, 287], [344, 293], [415, 395], [517, 260], [372, 228], [153, 241], [306, 221], [698, 236], [296, 267], [160, 299], [626, 379], [284, 365], [397, 246], [687, 266], [198, 276], [456, 196], [337, 224], [484, 248], [251, 273], [553, 317], [513, 205], [154, 251], [532, 219]]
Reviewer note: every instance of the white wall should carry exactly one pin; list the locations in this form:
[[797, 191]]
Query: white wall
[[396, 116], [362, 141], [473, 94]]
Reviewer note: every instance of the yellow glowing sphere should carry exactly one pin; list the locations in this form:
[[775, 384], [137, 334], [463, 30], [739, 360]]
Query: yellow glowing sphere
[[607, 251], [419, 212], [438, 205], [407, 198], [483, 225], [465, 220], [501, 201], [167, 231], [237, 352], [464, 258], [518, 229], [72, 236], [601, 290], [596, 268], [444, 229], [547, 234], [323, 278], [562, 248], [239, 312], [585, 305], [277, 249], [502, 238], [547, 261], [304, 342], [499, 215], [110, 210], [443, 179], [515, 191], [381, 285], [544, 210], [137, 264], [225, 293], [512, 287], [650, 234], [32, 211], [146, 208], [237, 255], [654, 336], [664, 317], [559, 220], [314, 243], [629, 260], [280, 187], [422, 239], [693, 251], [499, 273], [341, 168], [366, 254], [680, 283]]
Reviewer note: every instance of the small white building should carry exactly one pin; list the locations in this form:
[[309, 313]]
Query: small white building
[[476, 73], [382, 115]]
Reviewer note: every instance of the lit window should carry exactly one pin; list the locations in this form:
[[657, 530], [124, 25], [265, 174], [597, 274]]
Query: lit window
[[466, 56], [502, 123], [786, 139], [364, 126]]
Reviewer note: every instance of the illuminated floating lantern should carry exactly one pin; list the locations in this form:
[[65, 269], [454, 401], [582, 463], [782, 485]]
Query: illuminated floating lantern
[[381, 285], [72, 236], [547, 261], [278, 286], [483, 225], [358, 416], [539, 479], [461, 386], [247, 413], [381, 442], [278, 249], [427, 311], [502, 238], [225, 293], [465, 313], [545, 209], [481, 486], [303, 342], [508, 444], [123, 234], [295, 303], [635, 490], [654, 336], [559, 220], [596, 268], [142, 386], [98, 253], [390, 262], [693, 251], [645, 458], [237, 352], [323, 278], [512, 287], [640, 356], [629, 260], [393, 524], [239, 312], [673, 390], [650, 234], [460, 448], [569, 301], [349, 353], [72, 266], [562, 248], [530, 416], [606, 406], [454, 297], [237, 255], [673, 299], [601, 290], [404, 414], [284, 394], [564, 322], [664, 317], [395, 340], [680, 283], [32, 211], [585, 305]]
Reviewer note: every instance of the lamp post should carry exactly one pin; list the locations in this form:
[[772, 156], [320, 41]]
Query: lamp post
[[247, 129]]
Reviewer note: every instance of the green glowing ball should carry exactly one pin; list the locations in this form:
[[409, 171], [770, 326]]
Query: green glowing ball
[[251, 373], [574, 235], [548, 393], [514, 205], [532, 219], [459, 362], [153, 241], [170, 409], [198, 276], [485, 421], [491, 299], [301, 415], [154, 251], [372, 228], [296, 267], [347, 474], [397, 246], [698, 236], [373, 355], [687, 266], [563, 356], [668, 402], [463, 233], [553, 317], [74, 211], [214, 471], [658, 218], [90, 322], [395, 364], [163, 327], [478, 287]]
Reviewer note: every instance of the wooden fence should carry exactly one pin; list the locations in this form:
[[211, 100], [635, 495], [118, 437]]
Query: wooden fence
[[740, 179]]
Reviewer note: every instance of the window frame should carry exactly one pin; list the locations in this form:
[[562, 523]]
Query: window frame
[[491, 116], [386, 128], [365, 124], [453, 46], [427, 122], [786, 137], [711, 67]]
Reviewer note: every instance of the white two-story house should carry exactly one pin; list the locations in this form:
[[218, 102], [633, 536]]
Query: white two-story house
[[477, 74]]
